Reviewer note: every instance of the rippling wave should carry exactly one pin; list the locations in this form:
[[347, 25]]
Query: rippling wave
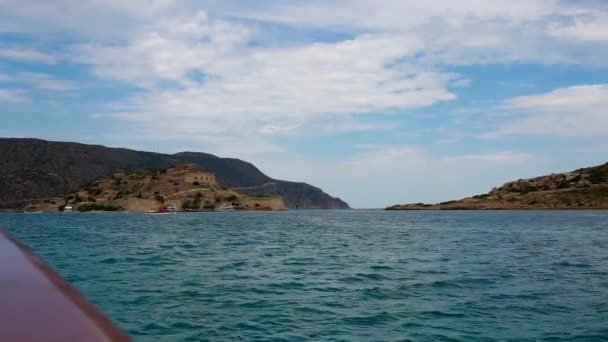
[[336, 275]]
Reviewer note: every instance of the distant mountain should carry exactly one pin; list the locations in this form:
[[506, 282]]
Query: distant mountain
[[35, 169], [580, 189]]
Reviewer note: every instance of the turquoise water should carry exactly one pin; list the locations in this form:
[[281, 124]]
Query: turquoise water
[[336, 275]]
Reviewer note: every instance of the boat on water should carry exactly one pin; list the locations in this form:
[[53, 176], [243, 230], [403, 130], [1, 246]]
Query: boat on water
[[226, 207], [168, 210], [68, 209], [157, 212], [33, 211]]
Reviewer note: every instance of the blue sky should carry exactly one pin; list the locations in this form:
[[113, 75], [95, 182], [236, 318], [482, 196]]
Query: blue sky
[[378, 104]]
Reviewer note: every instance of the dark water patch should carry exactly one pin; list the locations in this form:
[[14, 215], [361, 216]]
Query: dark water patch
[[371, 320], [573, 264], [266, 291], [371, 276], [314, 311], [438, 284], [377, 293], [328, 289], [434, 314], [351, 279], [380, 267], [290, 285], [109, 261]]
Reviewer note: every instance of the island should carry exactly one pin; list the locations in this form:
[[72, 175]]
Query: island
[[184, 187]]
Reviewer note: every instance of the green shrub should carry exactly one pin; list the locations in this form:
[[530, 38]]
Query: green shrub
[[231, 198], [159, 198], [97, 207], [190, 204], [196, 184], [528, 188], [599, 192], [94, 191], [597, 176], [135, 188]]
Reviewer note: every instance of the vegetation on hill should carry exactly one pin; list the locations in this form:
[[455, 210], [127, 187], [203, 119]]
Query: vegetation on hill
[[152, 189], [585, 188]]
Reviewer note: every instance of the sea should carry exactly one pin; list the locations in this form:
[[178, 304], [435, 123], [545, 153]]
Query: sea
[[350, 275]]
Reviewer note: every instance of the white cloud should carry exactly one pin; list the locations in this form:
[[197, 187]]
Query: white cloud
[[499, 157], [464, 32], [169, 50], [572, 111], [402, 15], [23, 54], [38, 80], [45, 81], [249, 90], [590, 26], [87, 19], [207, 76], [11, 95]]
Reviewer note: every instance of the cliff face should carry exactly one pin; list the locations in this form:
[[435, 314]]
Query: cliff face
[[34, 169], [580, 189]]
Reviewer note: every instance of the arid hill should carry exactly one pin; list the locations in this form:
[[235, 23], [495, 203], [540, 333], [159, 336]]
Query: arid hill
[[36, 169], [580, 189], [185, 186]]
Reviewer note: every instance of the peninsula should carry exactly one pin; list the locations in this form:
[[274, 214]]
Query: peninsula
[[585, 188]]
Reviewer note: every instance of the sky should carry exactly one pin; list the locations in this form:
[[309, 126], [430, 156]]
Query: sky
[[376, 102]]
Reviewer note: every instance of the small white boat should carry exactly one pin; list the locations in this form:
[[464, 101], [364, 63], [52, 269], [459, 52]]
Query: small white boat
[[152, 212], [33, 211], [161, 211], [68, 209], [226, 207]]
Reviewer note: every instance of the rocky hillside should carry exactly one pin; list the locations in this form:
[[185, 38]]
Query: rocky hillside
[[580, 189], [35, 169], [185, 186]]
